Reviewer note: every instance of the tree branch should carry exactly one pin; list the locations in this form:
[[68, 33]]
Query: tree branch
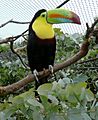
[[90, 30], [17, 22], [16, 86], [62, 3], [12, 49], [9, 39], [11, 21], [89, 60], [85, 68], [2, 25]]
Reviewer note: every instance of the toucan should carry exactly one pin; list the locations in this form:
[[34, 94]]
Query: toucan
[[41, 46]]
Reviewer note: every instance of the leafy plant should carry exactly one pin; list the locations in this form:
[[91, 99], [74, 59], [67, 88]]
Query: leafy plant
[[72, 96]]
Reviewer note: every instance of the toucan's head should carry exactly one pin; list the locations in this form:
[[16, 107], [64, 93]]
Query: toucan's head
[[38, 14], [43, 20]]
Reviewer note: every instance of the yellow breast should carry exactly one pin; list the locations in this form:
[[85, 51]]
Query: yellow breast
[[42, 29]]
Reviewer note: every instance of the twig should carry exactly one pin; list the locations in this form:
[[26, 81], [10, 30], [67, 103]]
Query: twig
[[93, 25], [2, 25], [24, 38], [62, 3], [11, 21], [90, 30], [17, 22], [89, 60], [85, 68], [20, 48], [20, 34], [12, 49], [9, 39]]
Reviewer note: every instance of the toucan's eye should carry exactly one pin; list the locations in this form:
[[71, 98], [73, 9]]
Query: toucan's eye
[[43, 15]]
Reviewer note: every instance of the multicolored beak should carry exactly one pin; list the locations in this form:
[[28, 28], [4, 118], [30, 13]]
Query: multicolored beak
[[58, 16]]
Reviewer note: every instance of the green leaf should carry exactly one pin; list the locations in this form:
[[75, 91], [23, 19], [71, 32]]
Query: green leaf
[[45, 102], [58, 91], [80, 78], [53, 99], [35, 103], [64, 81], [45, 89], [3, 106], [92, 113], [78, 114], [11, 118], [17, 100], [2, 116], [73, 91], [70, 94], [61, 83], [9, 111], [96, 113], [54, 116], [55, 86], [28, 94], [85, 116], [89, 95], [37, 116]]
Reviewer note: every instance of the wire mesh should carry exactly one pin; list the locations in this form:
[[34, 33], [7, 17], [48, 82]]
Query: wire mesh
[[24, 10]]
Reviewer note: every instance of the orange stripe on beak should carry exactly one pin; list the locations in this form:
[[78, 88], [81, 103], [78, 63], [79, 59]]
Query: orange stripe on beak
[[56, 16]]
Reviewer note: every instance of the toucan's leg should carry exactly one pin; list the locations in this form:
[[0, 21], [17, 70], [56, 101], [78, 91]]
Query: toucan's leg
[[51, 69], [35, 75]]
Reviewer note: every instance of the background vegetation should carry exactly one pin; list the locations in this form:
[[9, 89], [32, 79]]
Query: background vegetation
[[71, 93]]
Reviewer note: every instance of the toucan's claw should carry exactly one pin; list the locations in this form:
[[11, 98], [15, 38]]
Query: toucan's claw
[[37, 98], [35, 75], [51, 69]]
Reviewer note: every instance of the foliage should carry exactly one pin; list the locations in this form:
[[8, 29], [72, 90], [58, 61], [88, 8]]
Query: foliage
[[59, 101], [72, 96], [11, 68]]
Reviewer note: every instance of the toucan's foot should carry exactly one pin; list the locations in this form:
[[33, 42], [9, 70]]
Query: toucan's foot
[[35, 75], [37, 98], [51, 69]]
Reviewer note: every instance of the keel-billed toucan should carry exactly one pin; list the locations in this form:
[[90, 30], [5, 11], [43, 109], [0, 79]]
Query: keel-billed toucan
[[41, 45]]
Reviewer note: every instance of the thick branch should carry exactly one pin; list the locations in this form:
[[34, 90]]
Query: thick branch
[[16, 86]]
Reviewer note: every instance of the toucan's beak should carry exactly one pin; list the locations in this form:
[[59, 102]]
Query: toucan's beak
[[58, 15]]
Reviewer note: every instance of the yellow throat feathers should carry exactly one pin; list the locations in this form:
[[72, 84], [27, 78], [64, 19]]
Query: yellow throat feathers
[[43, 29]]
